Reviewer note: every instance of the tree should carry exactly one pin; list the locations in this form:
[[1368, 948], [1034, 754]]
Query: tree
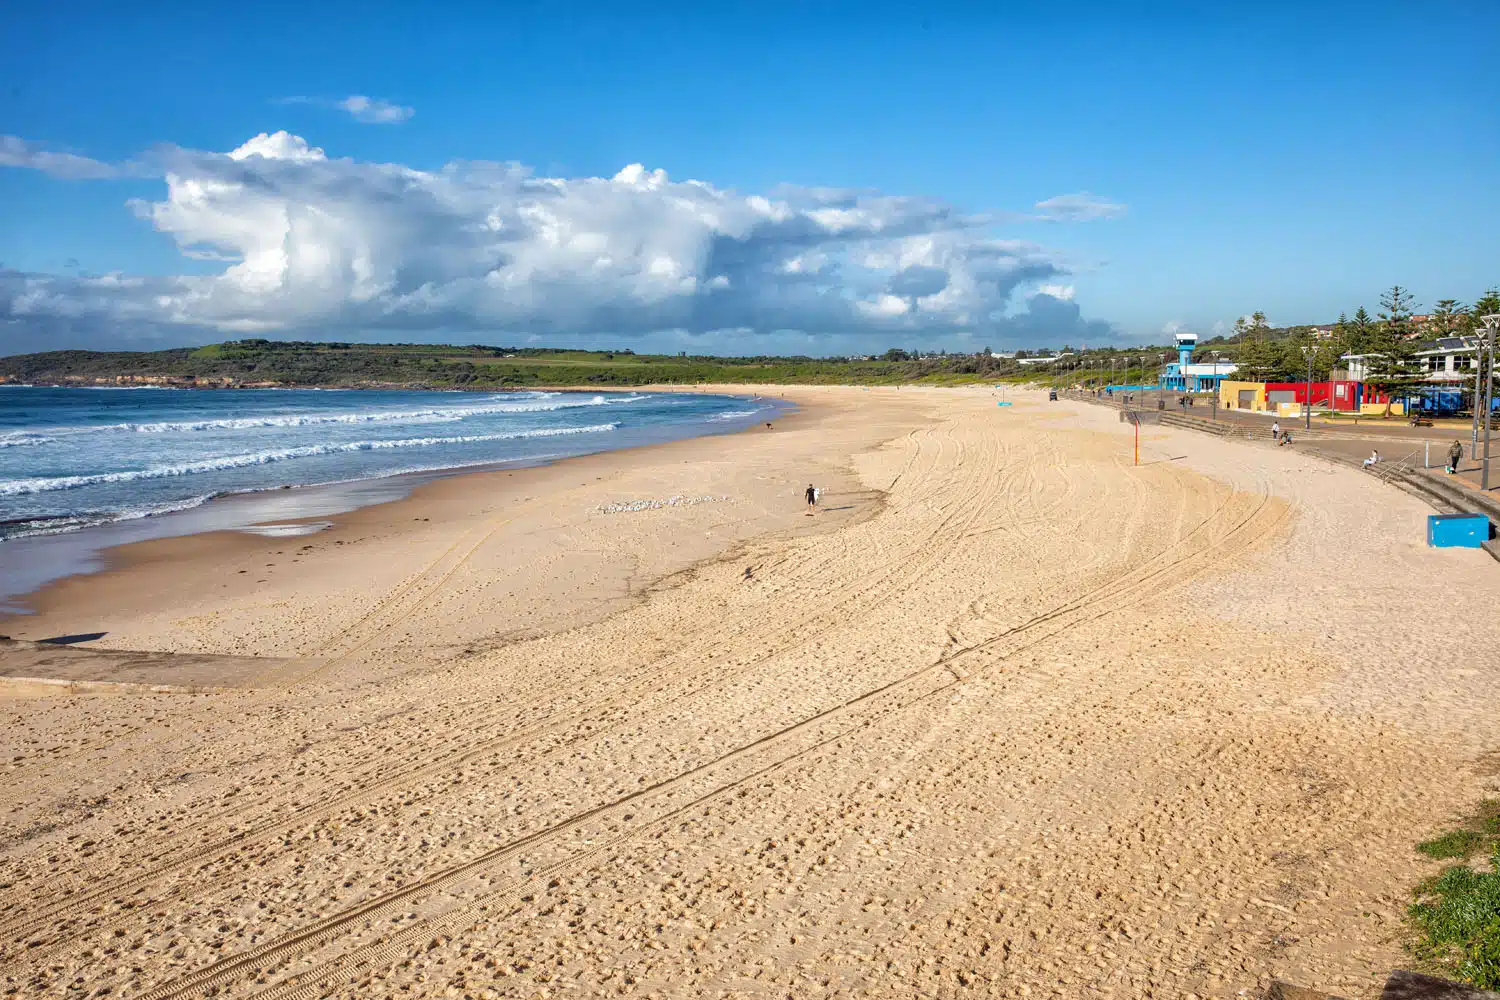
[[1391, 366], [1447, 317], [1341, 332], [1259, 361], [1488, 304], [1252, 327], [894, 354], [1359, 332], [1396, 309], [1325, 357]]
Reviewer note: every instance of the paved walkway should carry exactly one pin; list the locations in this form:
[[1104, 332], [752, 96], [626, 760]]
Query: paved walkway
[[1399, 443]]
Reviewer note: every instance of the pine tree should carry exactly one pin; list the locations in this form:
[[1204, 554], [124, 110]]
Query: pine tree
[[1397, 306], [1488, 305], [1360, 332], [1447, 317], [1252, 327], [1392, 367], [1259, 361]]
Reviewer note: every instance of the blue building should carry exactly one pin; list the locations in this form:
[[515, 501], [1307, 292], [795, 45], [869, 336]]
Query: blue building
[[1185, 376]]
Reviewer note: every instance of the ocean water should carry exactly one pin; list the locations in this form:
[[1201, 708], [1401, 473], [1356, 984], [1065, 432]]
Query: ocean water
[[114, 465]]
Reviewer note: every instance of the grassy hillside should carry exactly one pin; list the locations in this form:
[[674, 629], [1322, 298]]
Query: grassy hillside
[[473, 367]]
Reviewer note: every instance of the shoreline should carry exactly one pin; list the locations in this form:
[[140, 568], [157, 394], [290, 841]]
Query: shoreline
[[65, 606], [89, 550]]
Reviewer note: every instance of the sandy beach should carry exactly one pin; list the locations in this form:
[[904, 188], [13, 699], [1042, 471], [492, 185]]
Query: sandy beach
[[1009, 716]]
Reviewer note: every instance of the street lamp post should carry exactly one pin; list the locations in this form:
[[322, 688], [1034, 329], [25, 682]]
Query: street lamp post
[[1307, 407], [1479, 375], [1216, 357], [1478, 388], [1491, 326]]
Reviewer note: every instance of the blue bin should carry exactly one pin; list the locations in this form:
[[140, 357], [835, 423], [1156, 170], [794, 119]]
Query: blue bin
[[1465, 531]]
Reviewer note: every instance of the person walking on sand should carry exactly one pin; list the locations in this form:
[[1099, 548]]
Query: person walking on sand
[[1275, 429], [1455, 455], [812, 499]]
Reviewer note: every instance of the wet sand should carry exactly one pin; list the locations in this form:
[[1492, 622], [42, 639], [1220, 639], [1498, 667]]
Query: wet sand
[[1012, 717]]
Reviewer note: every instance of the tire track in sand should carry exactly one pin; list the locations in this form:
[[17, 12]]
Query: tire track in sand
[[1114, 596], [899, 573]]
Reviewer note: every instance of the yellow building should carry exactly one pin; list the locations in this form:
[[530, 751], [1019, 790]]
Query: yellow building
[[1242, 396]]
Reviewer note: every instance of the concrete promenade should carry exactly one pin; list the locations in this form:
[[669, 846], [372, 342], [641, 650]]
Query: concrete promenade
[[1412, 458]]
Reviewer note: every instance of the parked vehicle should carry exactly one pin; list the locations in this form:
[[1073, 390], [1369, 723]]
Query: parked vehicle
[[1052, 395]]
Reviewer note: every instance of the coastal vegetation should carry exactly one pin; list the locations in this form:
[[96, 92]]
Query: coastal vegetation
[[301, 363], [1456, 918]]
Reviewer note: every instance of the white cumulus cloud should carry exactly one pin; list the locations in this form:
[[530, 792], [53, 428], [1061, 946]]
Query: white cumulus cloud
[[339, 248]]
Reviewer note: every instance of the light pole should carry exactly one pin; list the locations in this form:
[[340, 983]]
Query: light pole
[[1491, 325], [1478, 387], [1216, 357], [1310, 351]]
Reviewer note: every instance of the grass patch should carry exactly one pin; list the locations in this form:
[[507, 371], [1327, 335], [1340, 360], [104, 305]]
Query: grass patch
[[1453, 844], [1456, 916]]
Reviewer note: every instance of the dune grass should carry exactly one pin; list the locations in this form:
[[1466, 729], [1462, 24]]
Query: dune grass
[[1456, 917]]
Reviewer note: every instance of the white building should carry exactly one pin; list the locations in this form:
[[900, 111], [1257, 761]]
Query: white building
[[1044, 361], [1451, 360]]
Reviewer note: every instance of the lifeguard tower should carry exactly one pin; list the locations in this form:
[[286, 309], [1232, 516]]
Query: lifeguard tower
[[1185, 376]]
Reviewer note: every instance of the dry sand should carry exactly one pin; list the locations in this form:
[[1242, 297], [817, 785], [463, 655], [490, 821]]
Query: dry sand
[[1011, 717]]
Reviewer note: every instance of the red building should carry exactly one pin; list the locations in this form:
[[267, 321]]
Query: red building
[[1341, 395]]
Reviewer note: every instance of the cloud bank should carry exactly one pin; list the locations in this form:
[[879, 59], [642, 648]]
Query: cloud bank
[[314, 246]]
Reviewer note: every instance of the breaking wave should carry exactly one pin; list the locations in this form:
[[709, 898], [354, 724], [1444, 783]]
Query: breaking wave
[[22, 439], [46, 484], [444, 414], [732, 415]]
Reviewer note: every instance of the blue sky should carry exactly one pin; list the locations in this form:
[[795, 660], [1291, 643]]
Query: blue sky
[[1294, 159]]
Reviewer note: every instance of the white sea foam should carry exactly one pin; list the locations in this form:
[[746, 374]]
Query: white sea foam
[[444, 414], [732, 415], [75, 522], [22, 439], [21, 487], [286, 530]]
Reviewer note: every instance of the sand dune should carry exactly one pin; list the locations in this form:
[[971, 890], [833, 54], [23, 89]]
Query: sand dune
[[1013, 718]]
